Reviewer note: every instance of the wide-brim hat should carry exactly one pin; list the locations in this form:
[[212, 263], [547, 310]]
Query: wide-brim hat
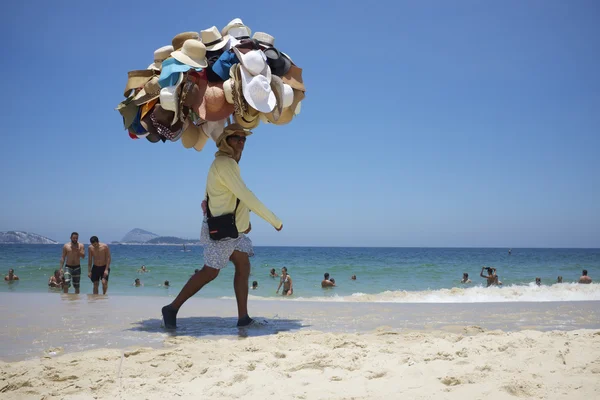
[[290, 112], [277, 86], [193, 53], [245, 122], [150, 91], [257, 91], [232, 129], [235, 23], [190, 135], [214, 129], [136, 79], [161, 54], [214, 106], [213, 40], [170, 67], [180, 39], [254, 61], [128, 111], [294, 78], [169, 98], [279, 64], [264, 39]]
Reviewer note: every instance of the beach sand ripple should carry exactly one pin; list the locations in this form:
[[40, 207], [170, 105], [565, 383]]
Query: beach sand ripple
[[471, 364]]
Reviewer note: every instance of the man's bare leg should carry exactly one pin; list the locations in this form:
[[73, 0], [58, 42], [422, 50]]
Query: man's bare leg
[[65, 288], [240, 283], [194, 284], [104, 286], [96, 287]]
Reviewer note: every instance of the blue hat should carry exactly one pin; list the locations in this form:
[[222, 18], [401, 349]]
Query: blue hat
[[170, 72], [222, 66]]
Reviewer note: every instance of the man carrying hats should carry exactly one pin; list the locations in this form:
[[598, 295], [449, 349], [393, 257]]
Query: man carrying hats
[[227, 196]]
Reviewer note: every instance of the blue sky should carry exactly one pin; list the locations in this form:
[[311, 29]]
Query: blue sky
[[434, 123]]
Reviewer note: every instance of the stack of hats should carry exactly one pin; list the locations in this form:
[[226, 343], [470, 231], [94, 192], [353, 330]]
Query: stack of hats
[[205, 81]]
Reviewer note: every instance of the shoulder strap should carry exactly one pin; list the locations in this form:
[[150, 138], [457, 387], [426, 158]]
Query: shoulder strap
[[209, 215]]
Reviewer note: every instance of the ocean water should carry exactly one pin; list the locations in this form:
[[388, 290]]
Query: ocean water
[[411, 275]]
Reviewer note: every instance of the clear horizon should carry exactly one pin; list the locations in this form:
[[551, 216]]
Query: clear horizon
[[440, 125]]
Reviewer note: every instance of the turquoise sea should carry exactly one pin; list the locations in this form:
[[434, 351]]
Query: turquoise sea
[[384, 274]]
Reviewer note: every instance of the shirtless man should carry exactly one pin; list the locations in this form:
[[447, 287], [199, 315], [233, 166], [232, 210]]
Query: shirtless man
[[98, 264], [492, 278], [465, 278], [584, 277], [326, 282], [11, 276], [72, 252]]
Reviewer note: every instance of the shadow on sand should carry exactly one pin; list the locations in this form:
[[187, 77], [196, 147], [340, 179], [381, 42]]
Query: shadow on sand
[[217, 326]]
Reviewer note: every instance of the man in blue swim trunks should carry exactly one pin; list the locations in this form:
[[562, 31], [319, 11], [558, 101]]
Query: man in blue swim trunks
[[71, 253]]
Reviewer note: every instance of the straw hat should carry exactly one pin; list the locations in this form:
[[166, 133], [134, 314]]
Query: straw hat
[[150, 91], [288, 113], [136, 79], [235, 23], [294, 78], [180, 39], [160, 54], [214, 106], [246, 122], [193, 53], [213, 40], [264, 39]]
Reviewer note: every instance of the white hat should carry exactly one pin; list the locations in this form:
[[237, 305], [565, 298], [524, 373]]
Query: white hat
[[288, 95], [235, 23], [264, 39], [255, 62], [213, 40], [169, 99], [193, 53], [160, 55], [257, 91], [214, 129]]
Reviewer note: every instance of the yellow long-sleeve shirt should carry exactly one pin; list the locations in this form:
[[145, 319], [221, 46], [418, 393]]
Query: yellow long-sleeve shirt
[[224, 186]]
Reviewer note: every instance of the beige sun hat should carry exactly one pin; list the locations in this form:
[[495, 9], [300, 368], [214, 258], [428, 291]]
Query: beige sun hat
[[193, 53], [213, 40], [279, 91], [180, 39], [190, 135], [264, 39], [160, 55], [150, 91]]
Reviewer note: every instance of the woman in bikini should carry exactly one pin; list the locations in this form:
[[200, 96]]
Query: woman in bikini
[[286, 281]]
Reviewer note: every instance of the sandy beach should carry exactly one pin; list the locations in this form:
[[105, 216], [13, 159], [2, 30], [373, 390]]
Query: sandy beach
[[114, 347], [384, 364]]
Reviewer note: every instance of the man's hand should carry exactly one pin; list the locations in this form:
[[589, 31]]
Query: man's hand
[[90, 275], [204, 206], [280, 228], [105, 272], [249, 228]]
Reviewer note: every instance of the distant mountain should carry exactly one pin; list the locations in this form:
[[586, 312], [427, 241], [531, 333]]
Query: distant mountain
[[171, 240], [19, 237], [138, 235]]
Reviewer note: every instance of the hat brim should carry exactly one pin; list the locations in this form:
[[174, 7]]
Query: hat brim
[[294, 78], [288, 113], [246, 124], [189, 137], [187, 60], [201, 142], [265, 105], [220, 45]]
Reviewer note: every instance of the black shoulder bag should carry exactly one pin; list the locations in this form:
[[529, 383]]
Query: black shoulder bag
[[223, 226]]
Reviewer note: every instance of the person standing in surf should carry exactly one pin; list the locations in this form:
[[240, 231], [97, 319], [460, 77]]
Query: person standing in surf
[[227, 196], [71, 253]]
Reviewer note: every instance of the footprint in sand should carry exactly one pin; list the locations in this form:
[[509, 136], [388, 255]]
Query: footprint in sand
[[450, 381]]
